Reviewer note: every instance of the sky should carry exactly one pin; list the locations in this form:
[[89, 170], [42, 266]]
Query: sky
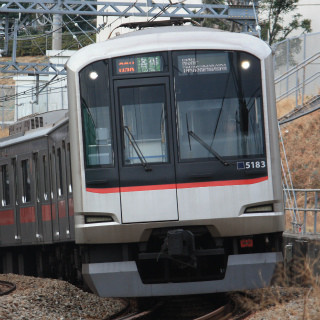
[[309, 9]]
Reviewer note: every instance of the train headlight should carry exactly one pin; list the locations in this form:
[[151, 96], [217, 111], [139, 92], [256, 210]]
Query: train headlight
[[245, 64], [97, 219], [260, 209], [93, 75]]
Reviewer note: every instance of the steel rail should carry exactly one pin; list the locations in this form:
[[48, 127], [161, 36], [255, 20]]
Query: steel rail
[[225, 312], [135, 315], [220, 313], [9, 285]]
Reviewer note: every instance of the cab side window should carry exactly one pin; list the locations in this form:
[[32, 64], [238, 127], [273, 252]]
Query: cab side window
[[5, 185]]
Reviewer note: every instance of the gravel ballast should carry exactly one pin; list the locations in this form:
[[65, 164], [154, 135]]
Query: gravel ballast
[[38, 298]]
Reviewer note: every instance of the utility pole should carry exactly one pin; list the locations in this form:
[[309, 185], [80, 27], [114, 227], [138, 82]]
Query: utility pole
[[57, 32]]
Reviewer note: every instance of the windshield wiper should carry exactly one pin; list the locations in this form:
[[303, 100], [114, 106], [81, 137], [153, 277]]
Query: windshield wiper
[[206, 146], [136, 148]]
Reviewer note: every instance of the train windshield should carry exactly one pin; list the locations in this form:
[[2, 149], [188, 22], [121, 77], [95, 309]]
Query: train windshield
[[144, 124], [218, 105], [95, 105]]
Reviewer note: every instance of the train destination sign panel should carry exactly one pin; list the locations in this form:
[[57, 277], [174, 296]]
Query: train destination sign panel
[[139, 64], [203, 63]]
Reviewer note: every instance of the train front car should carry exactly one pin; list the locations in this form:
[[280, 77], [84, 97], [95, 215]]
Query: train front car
[[175, 161]]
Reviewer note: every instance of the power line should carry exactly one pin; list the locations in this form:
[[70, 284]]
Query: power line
[[26, 93]]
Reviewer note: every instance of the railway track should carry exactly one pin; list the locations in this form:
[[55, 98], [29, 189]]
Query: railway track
[[183, 309], [144, 314], [6, 287]]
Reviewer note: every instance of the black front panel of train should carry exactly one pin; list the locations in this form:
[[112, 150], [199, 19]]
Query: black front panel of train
[[166, 118], [97, 127]]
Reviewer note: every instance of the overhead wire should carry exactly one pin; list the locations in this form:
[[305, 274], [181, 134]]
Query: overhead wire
[[77, 25], [30, 92], [32, 89], [72, 44], [42, 85]]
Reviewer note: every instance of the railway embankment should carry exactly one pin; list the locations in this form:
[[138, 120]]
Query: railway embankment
[[39, 298], [51, 299]]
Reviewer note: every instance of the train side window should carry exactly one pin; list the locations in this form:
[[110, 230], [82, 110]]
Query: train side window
[[26, 182], [5, 185], [37, 176], [45, 177], [60, 181], [69, 173], [53, 172], [15, 179]]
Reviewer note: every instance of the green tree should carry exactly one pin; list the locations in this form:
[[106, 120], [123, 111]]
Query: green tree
[[273, 27]]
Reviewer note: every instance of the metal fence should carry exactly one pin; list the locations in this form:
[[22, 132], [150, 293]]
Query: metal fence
[[303, 205], [297, 69]]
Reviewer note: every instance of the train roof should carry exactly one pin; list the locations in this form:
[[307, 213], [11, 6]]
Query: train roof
[[32, 134], [167, 39]]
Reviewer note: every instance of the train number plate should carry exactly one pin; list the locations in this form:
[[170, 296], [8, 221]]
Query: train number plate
[[251, 165]]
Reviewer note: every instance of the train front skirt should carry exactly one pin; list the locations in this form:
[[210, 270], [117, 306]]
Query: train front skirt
[[121, 279]]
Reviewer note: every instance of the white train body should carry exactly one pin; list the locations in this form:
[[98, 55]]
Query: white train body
[[167, 198]]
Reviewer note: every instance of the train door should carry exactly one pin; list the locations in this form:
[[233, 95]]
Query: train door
[[7, 213], [25, 203], [63, 212], [69, 191], [44, 197], [37, 195], [146, 164], [15, 197], [53, 193]]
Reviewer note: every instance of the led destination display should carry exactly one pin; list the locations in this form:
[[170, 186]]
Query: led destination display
[[203, 63], [139, 64]]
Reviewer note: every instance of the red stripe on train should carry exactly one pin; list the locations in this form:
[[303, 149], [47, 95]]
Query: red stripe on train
[[147, 188], [6, 217], [62, 209], [46, 212], [103, 190], [27, 215], [221, 183], [179, 185]]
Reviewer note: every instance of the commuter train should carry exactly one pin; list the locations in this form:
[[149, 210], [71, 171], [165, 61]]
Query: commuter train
[[166, 178]]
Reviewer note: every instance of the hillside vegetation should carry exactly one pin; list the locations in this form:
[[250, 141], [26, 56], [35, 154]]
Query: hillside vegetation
[[302, 144]]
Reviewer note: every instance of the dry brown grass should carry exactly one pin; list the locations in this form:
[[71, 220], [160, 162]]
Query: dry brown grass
[[302, 143], [285, 106], [294, 298]]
